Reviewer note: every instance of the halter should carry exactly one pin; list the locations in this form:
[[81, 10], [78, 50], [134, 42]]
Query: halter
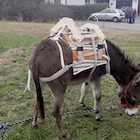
[[123, 95]]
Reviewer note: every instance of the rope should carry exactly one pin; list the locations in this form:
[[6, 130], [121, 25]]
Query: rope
[[5, 126]]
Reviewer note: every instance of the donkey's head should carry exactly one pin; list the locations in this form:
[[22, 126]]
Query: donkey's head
[[130, 98]]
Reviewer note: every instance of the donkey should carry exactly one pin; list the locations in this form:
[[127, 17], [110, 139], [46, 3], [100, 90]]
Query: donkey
[[45, 61]]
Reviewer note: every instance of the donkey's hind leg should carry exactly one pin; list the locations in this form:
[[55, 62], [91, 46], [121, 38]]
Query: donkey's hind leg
[[97, 97], [84, 91], [34, 123], [59, 95]]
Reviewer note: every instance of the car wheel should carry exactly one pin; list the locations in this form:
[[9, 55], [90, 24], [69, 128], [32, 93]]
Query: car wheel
[[115, 19], [94, 18]]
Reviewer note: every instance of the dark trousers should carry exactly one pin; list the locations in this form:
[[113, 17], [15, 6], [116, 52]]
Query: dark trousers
[[130, 19], [127, 17]]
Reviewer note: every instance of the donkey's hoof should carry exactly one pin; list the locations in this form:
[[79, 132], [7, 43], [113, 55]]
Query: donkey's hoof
[[82, 104], [100, 119], [35, 126], [66, 136]]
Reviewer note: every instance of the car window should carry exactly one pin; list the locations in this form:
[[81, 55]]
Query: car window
[[112, 11], [120, 11], [104, 11]]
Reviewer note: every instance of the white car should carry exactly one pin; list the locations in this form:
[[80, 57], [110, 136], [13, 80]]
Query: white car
[[108, 14]]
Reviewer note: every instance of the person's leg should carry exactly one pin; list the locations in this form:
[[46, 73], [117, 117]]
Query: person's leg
[[130, 19], [134, 19]]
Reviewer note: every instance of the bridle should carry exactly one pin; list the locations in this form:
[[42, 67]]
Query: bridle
[[123, 95]]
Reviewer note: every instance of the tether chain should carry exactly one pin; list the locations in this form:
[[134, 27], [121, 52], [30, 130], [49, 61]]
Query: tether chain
[[5, 126]]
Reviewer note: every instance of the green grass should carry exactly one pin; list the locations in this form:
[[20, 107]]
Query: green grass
[[16, 43]]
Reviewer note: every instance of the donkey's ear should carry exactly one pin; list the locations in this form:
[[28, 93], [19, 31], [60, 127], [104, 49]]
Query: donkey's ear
[[136, 80]]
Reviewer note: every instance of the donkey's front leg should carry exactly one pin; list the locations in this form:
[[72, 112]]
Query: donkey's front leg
[[97, 96], [59, 95], [84, 90]]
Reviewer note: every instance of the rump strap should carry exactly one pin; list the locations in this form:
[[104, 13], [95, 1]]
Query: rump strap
[[28, 82], [60, 72], [61, 54]]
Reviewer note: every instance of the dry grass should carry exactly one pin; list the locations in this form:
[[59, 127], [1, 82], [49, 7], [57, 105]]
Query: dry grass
[[20, 28], [17, 40]]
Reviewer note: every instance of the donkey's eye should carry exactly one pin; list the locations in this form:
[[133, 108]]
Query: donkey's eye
[[133, 97]]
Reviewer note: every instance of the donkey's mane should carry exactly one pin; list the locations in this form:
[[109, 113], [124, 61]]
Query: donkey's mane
[[123, 57]]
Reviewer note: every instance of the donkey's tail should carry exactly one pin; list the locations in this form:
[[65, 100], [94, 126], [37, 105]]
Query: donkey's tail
[[39, 98]]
